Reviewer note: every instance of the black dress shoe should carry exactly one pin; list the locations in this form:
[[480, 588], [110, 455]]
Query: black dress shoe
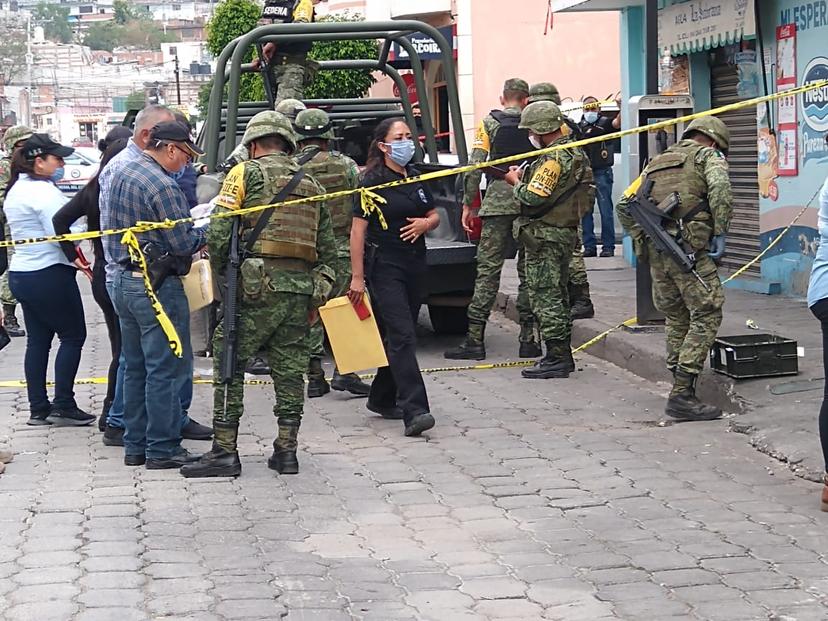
[[350, 382], [607, 252], [176, 460], [215, 463], [590, 252], [135, 460], [418, 424], [113, 436], [70, 417], [196, 431], [389, 413]]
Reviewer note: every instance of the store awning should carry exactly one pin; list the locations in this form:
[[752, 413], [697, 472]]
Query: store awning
[[687, 26]]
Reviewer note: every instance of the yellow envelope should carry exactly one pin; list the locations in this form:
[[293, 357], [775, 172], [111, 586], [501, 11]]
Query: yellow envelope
[[356, 343]]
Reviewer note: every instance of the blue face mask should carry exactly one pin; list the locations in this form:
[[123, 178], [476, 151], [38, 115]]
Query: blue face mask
[[591, 117], [58, 174], [402, 151], [177, 175]]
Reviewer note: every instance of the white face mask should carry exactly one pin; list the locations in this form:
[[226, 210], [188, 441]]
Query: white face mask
[[536, 141]]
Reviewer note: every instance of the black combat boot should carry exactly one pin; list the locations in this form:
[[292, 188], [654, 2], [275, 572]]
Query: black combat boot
[[529, 346], [683, 404], [284, 459], [257, 366], [557, 363], [317, 384], [10, 321], [107, 405], [472, 347], [350, 382], [222, 460], [580, 303]]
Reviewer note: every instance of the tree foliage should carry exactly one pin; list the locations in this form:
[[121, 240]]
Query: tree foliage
[[12, 51], [135, 33], [124, 12], [231, 19], [54, 19], [136, 100], [349, 84]]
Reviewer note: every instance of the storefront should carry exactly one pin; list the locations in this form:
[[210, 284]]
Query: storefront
[[721, 52]]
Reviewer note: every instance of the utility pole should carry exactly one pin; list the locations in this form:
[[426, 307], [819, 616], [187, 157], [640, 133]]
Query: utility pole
[[29, 61], [177, 81]]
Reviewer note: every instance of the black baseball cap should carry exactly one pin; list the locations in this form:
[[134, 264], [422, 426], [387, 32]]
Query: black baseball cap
[[40, 145], [173, 131]]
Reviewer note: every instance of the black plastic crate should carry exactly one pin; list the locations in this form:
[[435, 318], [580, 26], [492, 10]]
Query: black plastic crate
[[754, 355]]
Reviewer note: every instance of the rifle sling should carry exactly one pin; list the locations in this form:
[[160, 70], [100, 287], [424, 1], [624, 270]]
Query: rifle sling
[[286, 191]]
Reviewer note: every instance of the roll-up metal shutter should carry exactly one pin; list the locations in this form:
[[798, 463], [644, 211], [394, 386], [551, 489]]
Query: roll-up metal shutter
[[743, 237]]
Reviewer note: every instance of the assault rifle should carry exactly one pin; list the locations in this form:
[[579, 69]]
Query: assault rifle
[[231, 306], [650, 217]]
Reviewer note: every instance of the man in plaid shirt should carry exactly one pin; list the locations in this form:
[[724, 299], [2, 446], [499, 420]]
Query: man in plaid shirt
[[153, 376]]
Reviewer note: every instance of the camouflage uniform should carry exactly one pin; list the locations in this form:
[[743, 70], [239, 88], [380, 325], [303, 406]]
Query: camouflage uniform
[[498, 213], [13, 135], [578, 287], [693, 313], [335, 172], [289, 107], [553, 192], [289, 63], [287, 275]]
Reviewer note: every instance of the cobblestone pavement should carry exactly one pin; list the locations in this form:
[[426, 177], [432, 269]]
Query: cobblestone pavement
[[560, 499]]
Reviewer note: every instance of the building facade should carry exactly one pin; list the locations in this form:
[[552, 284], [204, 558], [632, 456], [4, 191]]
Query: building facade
[[723, 52]]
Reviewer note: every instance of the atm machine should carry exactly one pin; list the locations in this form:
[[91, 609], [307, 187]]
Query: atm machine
[[648, 110]]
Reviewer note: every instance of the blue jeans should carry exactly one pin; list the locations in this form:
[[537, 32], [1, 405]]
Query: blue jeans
[[153, 377], [603, 196], [52, 305], [115, 418]]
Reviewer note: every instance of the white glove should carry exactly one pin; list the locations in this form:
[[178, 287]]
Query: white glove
[[201, 214]]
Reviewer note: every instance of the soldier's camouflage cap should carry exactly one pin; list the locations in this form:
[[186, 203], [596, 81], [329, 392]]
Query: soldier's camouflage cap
[[544, 91], [290, 108], [712, 127], [270, 123], [541, 117], [15, 134], [313, 123], [516, 84]]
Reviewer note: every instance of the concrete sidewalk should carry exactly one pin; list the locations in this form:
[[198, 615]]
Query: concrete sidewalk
[[781, 425]]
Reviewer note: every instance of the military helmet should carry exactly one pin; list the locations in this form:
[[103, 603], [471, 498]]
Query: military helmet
[[541, 117], [270, 123], [290, 108], [15, 134], [712, 127], [544, 91], [313, 123]]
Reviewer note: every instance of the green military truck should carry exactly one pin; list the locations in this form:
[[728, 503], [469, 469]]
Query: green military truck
[[451, 256]]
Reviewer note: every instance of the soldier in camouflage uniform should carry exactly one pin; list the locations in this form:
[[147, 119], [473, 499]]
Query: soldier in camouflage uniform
[[12, 140], [579, 299], [335, 172], [282, 282], [696, 168], [497, 136], [553, 193]]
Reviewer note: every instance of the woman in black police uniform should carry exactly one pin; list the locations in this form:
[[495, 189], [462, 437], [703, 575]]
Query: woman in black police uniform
[[393, 262]]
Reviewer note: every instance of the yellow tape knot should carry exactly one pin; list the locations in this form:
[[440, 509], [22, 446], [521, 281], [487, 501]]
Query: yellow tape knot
[[370, 202]]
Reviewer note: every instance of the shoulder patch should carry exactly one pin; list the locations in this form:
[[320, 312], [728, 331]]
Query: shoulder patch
[[545, 179], [232, 191], [481, 138]]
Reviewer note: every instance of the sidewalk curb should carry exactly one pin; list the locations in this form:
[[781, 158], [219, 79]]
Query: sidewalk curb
[[641, 356]]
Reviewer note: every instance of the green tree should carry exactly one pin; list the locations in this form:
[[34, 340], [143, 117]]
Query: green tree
[[123, 12], [103, 36], [231, 19], [348, 84], [12, 51], [54, 19], [136, 100]]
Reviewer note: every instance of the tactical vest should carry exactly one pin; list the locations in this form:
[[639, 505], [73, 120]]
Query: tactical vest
[[509, 138], [279, 11], [675, 170], [291, 231], [331, 170], [571, 200]]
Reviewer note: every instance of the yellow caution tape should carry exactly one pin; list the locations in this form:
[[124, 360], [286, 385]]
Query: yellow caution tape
[[137, 257]]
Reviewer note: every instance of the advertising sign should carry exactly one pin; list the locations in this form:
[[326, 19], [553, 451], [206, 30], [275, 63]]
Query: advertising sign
[[787, 143]]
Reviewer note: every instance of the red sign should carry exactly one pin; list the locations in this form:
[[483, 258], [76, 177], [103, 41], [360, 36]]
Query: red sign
[[408, 78], [786, 114]]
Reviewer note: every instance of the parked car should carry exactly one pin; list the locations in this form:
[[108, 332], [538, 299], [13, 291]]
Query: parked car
[[80, 167]]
